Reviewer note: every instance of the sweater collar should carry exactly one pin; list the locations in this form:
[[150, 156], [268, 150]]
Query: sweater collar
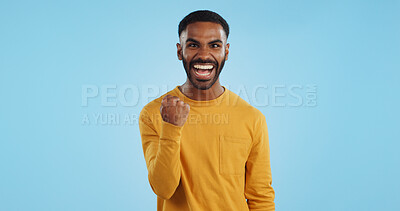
[[192, 102]]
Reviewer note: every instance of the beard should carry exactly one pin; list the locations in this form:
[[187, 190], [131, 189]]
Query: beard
[[196, 82]]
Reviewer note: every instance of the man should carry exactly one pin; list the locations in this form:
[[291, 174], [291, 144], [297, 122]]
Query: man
[[206, 148]]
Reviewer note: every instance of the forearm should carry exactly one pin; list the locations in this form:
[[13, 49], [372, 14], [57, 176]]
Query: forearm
[[259, 191], [165, 170], [262, 201]]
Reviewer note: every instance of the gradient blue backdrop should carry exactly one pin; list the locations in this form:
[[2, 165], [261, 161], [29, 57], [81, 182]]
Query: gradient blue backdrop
[[342, 154]]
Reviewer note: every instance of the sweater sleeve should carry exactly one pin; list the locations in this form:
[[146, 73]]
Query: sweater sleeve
[[162, 155], [258, 191]]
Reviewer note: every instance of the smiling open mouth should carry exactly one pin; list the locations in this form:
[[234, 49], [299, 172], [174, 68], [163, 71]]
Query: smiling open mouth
[[203, 71]]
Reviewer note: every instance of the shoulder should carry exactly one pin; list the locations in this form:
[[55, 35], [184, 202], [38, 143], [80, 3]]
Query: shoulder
[[239, 104]]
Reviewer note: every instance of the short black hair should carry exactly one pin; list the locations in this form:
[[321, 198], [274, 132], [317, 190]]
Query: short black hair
[[203, 16]]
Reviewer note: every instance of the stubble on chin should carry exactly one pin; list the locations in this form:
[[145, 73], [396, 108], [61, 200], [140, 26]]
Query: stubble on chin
[[193, 81]]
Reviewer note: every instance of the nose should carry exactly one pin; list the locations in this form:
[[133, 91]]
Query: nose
[[204, 54]]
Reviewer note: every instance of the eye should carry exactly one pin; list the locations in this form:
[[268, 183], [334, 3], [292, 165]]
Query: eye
[[215, 46], [192, 45]]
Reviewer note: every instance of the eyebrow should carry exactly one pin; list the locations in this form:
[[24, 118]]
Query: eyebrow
[[195, 41]]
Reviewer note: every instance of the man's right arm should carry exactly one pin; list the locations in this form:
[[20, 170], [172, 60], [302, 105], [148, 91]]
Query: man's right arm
[[162, 151]]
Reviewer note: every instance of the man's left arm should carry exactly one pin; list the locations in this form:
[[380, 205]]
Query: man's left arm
[[258, 191]]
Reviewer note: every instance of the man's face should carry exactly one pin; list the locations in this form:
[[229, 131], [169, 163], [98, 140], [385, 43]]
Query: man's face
[[203, 51]]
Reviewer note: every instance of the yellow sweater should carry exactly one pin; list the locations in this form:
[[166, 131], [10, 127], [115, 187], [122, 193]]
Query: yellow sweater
[[216, 161]]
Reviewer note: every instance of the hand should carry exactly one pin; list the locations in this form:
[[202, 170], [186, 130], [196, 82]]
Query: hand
[[174, 111]]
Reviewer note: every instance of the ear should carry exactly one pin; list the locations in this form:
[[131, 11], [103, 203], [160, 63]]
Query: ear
[[179, 51], [227, 51]]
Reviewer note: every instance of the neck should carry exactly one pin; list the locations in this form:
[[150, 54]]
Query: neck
[[201, 95]]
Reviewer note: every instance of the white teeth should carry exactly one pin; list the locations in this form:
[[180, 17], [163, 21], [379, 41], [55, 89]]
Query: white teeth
[[203, 74], [203, 67]]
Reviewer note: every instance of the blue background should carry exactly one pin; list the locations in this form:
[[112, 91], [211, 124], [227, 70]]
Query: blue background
[[341, 154]]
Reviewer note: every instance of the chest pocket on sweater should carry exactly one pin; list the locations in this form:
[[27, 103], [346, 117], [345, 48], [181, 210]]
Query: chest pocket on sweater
[[233, 153]]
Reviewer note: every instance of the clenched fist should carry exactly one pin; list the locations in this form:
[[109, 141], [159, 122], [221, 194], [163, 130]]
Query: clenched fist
[[174, 111]]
